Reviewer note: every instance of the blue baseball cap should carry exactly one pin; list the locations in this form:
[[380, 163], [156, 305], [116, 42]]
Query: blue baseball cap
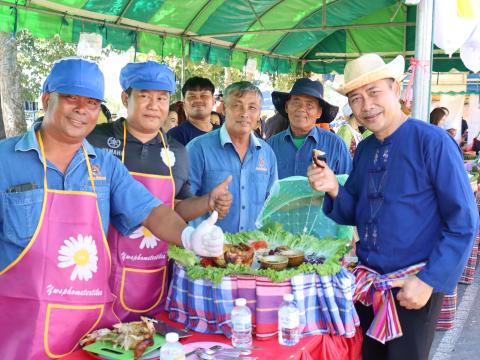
[[148, 75], [75, 76]]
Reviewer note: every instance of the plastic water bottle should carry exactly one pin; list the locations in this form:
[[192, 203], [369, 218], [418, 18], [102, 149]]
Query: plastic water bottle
[[172, 349], [241, 325], [288, 322]]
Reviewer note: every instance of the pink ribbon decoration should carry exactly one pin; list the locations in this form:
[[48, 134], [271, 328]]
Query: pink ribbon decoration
[[414, 63]]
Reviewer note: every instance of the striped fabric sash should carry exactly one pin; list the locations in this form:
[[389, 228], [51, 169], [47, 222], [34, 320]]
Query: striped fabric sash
[[373, 289]]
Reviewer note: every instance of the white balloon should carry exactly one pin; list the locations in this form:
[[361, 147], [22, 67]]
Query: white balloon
[[451, 31], [470, 51]]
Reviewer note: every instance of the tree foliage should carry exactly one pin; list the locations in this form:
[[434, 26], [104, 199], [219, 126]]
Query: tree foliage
[[284, 82], [220, 76], [36, 57]]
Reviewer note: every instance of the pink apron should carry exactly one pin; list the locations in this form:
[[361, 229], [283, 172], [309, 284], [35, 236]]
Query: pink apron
[[139, 261], [57, 290]]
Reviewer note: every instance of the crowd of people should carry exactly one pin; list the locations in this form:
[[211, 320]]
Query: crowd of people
[[88, 210]]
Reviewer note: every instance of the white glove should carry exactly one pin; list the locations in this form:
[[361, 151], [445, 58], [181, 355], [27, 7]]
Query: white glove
[[206, 240]]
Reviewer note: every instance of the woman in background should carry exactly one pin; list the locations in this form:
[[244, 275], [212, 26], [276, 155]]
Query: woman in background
[[349, 131], [438, 116], [172, 119]]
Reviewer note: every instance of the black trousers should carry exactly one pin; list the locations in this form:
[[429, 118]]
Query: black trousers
[[418, 327]]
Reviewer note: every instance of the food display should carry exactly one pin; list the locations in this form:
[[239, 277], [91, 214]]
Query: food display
[[296, 247], [270, 251], [254, 255], [241, 254], [136, 336], [472, 167], [469, 155]]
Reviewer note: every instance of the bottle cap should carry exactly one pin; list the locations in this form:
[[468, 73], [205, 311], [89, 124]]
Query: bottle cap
[[288, 297], [240, 302], [171, 337]]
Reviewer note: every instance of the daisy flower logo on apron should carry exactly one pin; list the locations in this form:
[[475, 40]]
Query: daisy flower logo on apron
[[149, 240], [81, 254]]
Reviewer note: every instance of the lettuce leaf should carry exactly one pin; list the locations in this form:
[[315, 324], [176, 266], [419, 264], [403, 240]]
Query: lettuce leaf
[[331, 249], [215, 275], [245, 237], [183, 256]]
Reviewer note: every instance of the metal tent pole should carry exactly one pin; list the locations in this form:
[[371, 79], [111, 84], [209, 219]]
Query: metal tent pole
[[423, 54], [182, 76]]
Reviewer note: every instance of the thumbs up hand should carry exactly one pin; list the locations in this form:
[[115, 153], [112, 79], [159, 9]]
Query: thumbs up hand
[[220, 199], [206, 240]]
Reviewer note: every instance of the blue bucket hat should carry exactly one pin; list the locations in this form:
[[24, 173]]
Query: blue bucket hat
[[75, 76], [306, 86], [148, 75]]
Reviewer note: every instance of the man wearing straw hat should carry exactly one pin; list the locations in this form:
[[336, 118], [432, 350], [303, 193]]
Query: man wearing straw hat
[[409, 196]]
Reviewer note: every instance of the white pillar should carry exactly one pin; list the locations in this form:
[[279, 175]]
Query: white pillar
[[423, 53]]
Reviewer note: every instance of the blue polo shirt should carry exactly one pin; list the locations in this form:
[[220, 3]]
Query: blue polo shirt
[[122, 200], [293, 161], [212, 157]]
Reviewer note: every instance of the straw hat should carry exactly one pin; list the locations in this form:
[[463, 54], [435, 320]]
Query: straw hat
[[369, 68]]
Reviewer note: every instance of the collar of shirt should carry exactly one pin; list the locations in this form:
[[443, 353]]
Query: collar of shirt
[[118, 133], [29, 142], [393, 135], [314, 134], [225, 139]]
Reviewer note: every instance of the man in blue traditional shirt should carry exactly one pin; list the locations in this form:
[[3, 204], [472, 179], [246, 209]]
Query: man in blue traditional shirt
[[409, 196], [304, 105], [235, 150]]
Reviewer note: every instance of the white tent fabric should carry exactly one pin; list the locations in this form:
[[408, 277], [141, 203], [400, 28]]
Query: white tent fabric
[[454, 29]]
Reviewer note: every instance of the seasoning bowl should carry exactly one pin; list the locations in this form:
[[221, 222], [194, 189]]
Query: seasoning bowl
[[295, 257], [275, 262]]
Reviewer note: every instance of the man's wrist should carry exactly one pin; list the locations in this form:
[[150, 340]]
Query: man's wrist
[[207, 202], [187, 237], [334, 193]]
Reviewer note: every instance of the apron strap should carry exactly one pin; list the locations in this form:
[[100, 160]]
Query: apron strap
[[124, 142], [89, 167], [164, 146], [166, 152], [44, 163]]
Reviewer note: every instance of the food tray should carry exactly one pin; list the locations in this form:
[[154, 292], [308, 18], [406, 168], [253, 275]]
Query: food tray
[[107, 349]]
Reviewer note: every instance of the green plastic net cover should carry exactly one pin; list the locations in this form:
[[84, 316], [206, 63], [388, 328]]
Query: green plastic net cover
[[295, 205]]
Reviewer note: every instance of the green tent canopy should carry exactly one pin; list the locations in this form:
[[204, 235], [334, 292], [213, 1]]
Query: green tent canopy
[[284, 36]]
